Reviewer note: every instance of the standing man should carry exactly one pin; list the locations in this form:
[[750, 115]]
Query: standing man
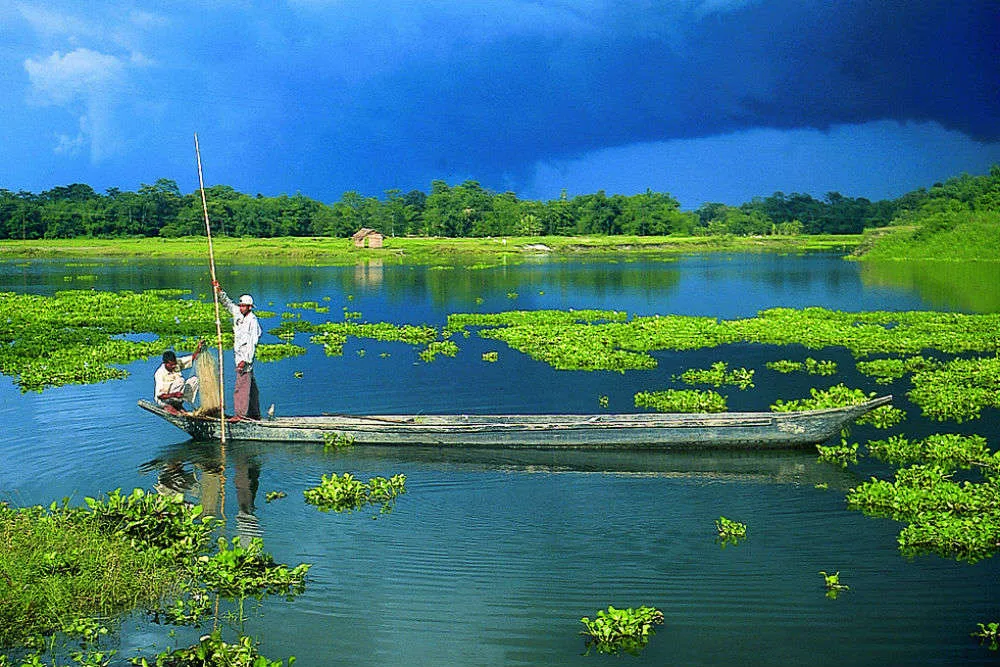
[[170, 387], [246, 333]]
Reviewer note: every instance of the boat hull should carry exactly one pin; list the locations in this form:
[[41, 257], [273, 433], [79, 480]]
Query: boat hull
[[752, 430]]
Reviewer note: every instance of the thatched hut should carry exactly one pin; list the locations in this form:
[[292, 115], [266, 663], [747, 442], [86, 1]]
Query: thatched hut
[[370, 236]]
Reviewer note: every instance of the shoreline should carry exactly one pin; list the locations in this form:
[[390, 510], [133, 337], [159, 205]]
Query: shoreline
[[413, 250]]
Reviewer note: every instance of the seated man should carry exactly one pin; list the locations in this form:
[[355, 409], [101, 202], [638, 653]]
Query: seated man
[[171, 389]]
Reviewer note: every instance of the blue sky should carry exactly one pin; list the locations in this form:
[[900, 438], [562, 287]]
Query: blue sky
[[709, 100]]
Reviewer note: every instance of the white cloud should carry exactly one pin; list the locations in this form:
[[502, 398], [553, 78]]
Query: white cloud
[[85, 82], [60, 79]]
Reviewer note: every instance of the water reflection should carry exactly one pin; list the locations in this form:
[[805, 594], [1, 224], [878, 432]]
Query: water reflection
[[967, 286], [198, 472]]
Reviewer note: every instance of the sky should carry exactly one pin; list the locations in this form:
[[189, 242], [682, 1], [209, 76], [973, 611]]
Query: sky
[[708, 100]]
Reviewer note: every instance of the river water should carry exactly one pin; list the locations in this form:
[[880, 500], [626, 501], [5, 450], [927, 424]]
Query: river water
[[492, 558]]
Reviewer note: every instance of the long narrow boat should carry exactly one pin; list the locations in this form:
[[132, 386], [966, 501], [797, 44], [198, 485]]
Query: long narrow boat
[[751, 430]]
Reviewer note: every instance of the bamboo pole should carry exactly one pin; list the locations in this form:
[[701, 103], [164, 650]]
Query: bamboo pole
[[215, 294]]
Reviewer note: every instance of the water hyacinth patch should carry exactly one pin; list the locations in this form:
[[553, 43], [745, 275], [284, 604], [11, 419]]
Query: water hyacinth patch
[[833, 585], [621, 630], [730, 532], [989, 635], [839, 396], [681, 400], [958, 389], [718, 375], [889, 370], [810, 366], [212, 650], [841, 455], [79, 337], [446, 347], [959, 520], [345, 493]]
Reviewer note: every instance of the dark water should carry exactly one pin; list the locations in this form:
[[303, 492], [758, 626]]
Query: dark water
[[492, 558]]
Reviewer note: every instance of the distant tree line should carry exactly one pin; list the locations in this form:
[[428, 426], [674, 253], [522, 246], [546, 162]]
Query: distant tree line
[[461, 210]]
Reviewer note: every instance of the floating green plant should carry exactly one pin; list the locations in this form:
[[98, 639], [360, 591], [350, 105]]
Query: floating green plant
[[718, 375], [730, 532], [889, 370], [275, 351], [79, 337], [681, 400], [617, 344], [434, 348], [948, 450], [274, 495], [833, 585], [810, 366], [989, 635], [839, 396], [953, 519], [333, 335], [602, 401], [333, 442], [212, 650], [958, 389], [621, 630], [345, 493], [236, 571], [490, 356], [841, 455]]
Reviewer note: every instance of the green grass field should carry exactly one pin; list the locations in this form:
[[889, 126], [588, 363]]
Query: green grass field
[[433, 251]]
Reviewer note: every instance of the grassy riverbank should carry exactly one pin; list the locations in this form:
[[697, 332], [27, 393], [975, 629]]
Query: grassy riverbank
[[432, 251]]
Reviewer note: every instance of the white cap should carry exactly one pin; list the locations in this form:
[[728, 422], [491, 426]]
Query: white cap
[[246, 300]]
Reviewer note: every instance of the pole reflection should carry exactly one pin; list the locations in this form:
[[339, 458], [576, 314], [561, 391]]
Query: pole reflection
[[197, 471]]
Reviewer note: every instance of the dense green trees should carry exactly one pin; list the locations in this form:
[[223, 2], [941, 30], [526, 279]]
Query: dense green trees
[[466, 209]]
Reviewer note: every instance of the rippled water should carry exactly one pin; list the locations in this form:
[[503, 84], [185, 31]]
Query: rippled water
[[492, 558]]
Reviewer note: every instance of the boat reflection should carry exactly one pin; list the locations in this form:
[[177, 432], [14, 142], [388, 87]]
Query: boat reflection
[[198, 472], [799, 467]]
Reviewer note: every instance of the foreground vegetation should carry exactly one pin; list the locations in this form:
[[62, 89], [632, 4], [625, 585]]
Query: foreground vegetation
[[70, 574]]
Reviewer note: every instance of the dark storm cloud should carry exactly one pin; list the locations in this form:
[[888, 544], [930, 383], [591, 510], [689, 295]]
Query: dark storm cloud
[[655, 75]]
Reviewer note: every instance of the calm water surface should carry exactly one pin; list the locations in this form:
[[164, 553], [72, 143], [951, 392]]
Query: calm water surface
[[491, 558]]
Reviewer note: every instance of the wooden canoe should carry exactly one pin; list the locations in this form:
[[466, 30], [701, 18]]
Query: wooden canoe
[[751, 430]]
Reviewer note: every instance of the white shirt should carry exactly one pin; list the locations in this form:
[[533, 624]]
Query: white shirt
[[246, 331], [170, 382]]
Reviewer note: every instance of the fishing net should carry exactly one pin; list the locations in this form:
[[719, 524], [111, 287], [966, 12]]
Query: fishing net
[[206, 367]]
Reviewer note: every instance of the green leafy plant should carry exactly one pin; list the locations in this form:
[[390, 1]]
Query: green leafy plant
[[236, 571], [274, 495], [434, 348], [718, 375], [730, 532], [621, 630], [681, 400], [210, 651], [833, 585], [989, 632], [841, 455], [333, 442], [345, 493]]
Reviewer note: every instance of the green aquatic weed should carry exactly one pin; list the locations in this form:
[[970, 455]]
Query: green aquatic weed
[[345, 493], [621, 630], [681, 400], [730, 532]]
